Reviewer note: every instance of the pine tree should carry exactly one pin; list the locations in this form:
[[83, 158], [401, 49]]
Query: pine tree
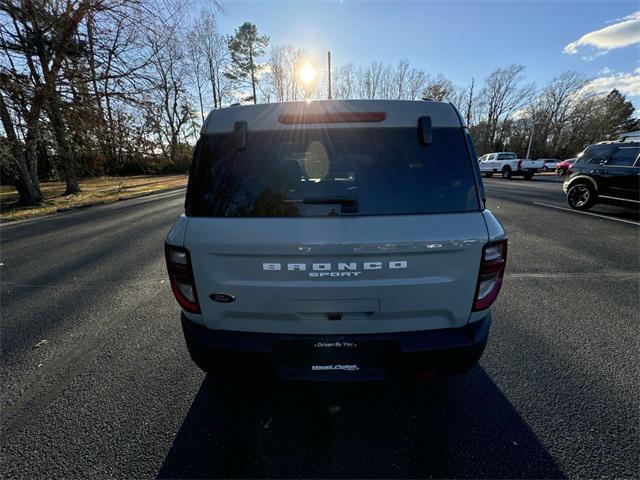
[[245, 46]]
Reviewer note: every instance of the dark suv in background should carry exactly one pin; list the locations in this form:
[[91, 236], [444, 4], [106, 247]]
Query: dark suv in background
[[607, 172]]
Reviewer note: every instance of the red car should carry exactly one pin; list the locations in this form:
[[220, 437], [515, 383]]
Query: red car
[[563, 167]]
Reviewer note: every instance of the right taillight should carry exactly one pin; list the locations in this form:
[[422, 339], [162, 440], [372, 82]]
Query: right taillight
[[494, 261], [181, 277]]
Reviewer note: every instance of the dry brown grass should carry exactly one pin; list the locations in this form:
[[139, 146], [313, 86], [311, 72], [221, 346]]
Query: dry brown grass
[[94, 190]]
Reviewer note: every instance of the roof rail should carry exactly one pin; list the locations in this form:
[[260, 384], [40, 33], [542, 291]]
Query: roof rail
[[630, 137]]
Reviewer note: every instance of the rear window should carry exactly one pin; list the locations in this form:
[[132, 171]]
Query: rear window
[[507, 156], [319, 172]]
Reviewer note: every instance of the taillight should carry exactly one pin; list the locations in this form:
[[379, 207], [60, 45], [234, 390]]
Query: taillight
[[181, 277], [494, 261]]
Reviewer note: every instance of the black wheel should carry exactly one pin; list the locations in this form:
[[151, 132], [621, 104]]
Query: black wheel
[[528, 175], [545, 169], [506, 172], [581, 196]]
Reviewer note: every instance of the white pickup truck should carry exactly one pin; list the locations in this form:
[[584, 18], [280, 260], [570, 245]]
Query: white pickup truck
[[508, 165]]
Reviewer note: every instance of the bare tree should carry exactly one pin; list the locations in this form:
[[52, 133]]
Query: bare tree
[[278, 71], [283, 69], [438, 88], [372, 80], [213, 47], [197, 61], [400, 79], [344, 84], [469, 106], [555, 106], [39, 36], [502, 94], [416, 81], [170, 110]]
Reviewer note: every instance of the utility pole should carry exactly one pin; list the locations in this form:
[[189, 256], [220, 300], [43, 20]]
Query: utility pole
[[329, 72], [533, 124]]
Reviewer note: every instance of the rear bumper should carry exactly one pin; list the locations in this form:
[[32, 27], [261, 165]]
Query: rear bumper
[[337, 357]]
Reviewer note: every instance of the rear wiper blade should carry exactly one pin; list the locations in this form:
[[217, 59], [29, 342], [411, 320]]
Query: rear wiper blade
[[349, 204]]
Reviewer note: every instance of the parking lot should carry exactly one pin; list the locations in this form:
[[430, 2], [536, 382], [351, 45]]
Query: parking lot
[[97, 381]]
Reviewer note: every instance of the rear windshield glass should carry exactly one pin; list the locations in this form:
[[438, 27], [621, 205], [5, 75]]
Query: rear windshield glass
[[319, 172]]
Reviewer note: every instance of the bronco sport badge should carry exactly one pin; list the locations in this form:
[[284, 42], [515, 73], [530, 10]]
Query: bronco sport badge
[[341, 269]]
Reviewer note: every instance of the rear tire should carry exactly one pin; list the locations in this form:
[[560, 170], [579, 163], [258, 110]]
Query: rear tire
[[528, 175], [506, 172], [581, 196]]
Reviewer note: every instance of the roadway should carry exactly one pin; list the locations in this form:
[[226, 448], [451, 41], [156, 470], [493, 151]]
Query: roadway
[[96, 381]]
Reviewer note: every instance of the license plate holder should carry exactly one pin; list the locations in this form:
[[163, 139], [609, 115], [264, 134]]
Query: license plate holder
[[335, 355]]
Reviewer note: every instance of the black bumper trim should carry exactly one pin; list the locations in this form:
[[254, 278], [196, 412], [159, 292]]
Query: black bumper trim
[[229, 352]]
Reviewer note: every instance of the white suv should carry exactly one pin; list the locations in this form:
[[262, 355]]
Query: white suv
[[336, 240]]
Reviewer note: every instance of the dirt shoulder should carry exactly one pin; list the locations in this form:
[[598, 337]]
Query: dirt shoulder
[[95, 191]]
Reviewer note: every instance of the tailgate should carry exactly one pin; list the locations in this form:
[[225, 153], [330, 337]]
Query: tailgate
[[366, 274], [532, 164]]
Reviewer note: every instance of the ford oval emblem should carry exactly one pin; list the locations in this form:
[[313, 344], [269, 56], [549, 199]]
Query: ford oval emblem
[[222, 297]]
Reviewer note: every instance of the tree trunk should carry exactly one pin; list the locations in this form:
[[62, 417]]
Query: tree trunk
[[470, 103], [65, 152], [212, 79], [102, 131], [28, 188], [253, 77]]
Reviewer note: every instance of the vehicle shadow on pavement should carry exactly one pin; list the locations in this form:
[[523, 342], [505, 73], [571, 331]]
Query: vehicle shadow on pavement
[[457, 427]]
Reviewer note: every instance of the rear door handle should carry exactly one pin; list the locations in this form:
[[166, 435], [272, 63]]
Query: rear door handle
[[602, 172]]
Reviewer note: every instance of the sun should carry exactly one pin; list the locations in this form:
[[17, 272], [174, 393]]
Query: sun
[[307, 73]]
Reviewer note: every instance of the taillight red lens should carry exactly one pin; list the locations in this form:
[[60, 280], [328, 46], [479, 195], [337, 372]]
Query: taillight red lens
[[181, 277], [492, 266]]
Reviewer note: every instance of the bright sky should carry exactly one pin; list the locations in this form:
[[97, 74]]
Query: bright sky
[[461, 39]]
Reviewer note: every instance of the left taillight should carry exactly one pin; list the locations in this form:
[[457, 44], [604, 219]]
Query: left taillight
[[492, 266], [181, 277]]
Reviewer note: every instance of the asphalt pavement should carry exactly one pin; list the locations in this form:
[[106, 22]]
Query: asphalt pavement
[[96, 380]]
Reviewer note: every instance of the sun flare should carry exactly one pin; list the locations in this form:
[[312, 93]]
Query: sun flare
[[307, 73]]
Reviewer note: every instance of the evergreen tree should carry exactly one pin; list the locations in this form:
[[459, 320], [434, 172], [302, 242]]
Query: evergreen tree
[[245, 47]]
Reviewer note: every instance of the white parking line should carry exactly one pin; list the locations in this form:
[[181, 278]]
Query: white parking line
[[588, 213]]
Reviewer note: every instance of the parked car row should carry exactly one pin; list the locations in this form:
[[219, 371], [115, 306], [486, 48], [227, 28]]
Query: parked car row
[[507, 164], [606, 172]]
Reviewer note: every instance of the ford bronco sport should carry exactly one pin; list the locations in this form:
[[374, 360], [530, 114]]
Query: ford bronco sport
[[334, 240]]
